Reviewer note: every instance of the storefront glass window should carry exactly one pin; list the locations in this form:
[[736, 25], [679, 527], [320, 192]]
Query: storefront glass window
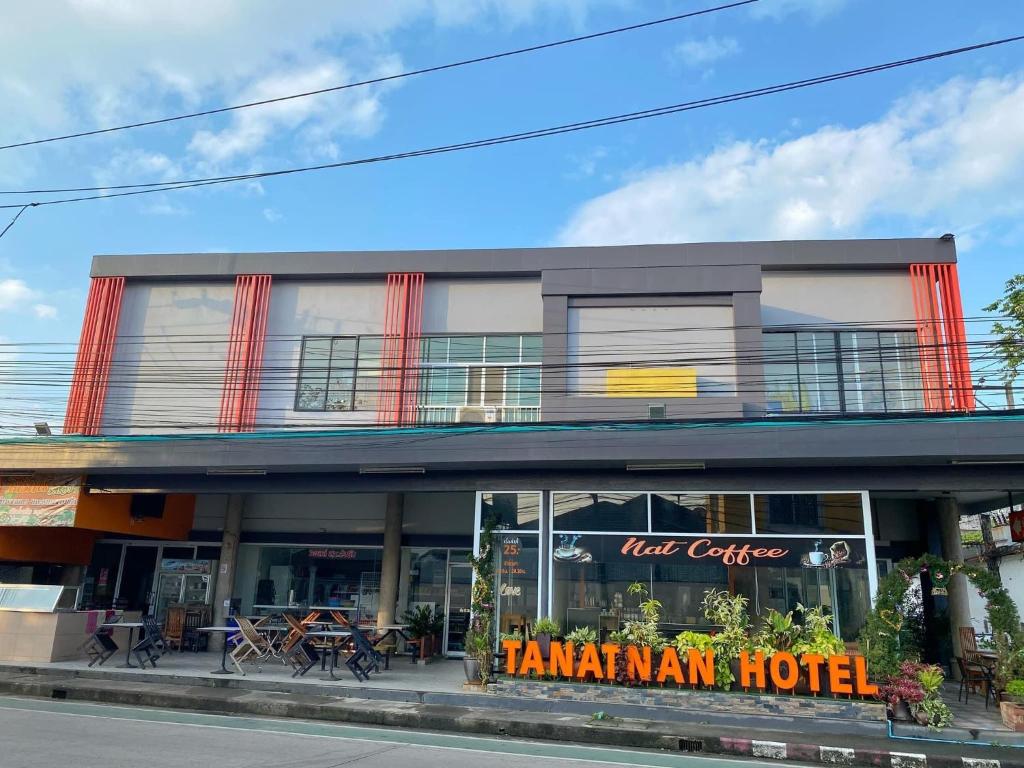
[[700, 513], [518, 571], [319, 576], [511, 511], [599, 511], [428, 574], [809, 513]]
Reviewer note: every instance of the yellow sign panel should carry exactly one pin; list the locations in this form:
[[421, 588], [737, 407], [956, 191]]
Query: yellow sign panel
[[651, 382]]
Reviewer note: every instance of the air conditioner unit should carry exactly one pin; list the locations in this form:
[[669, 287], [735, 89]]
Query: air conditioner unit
[[477, 414]]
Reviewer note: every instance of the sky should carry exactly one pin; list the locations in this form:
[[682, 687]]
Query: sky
[[916, 152]]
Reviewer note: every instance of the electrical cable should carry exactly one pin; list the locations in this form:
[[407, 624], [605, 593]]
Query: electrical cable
[[384, 78], [150, 187]]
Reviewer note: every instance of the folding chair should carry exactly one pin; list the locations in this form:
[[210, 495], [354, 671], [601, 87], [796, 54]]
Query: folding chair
[[100, 646], [252, 646], [152, 644], [365, 657]]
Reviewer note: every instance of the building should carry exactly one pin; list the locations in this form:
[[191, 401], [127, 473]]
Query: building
[[781, 419]]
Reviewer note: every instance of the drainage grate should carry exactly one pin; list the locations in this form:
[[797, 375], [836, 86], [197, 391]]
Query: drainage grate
[[691, 745], [58, 693]]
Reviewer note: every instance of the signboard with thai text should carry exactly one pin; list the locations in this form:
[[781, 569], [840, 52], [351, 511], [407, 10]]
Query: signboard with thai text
[[39, 501]]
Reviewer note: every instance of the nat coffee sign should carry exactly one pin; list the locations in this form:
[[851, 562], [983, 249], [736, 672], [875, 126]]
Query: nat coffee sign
[[712, 550]]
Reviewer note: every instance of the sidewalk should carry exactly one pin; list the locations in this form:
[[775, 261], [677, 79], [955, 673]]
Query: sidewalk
[[478, 714]]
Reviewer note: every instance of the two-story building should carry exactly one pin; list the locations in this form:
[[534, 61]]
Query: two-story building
[[779, 419]]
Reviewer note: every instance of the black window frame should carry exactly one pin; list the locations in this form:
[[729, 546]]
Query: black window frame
[[839, 360], [330, 359]]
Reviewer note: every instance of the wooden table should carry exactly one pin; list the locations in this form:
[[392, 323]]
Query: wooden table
[[224, 651], [132, 626], [336, 635]]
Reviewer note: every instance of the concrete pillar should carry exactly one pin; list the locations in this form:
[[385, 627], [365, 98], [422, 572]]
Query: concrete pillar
[[391, 560], [958, 600], [225, 587]]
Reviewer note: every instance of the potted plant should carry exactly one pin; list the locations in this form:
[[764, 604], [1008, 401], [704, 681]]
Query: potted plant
[[479, 645], [690, 640], [730, 613], [436, 632], [543, 631], [1011, 705], [816, 637], [913, 694], [421, 628]]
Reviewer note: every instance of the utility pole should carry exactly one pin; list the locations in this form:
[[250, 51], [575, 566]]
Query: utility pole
[[1009, 395]]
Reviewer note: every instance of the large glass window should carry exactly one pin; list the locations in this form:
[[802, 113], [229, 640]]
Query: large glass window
[[809, 513], [700, 513], [599, 511], [849, 371], [339, 373], [480, 378], [345, 577], [511, 511]]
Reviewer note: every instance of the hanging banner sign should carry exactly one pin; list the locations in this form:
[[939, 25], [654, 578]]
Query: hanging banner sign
[[40, 501], [710, 550]]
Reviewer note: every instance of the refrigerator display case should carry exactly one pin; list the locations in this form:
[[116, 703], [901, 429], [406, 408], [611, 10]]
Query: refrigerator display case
[[183, 581]]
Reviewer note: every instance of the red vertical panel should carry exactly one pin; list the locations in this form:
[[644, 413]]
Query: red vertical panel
[[91, 377], [244, 363], [403, 320], [942, 337]]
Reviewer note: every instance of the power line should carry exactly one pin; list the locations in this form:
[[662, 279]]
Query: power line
[[385, 78], [16, 217], [167, 186]]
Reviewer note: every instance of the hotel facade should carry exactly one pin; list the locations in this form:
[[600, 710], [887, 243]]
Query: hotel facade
[[782, 420]]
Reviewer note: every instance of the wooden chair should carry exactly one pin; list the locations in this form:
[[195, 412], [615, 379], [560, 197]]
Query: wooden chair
[[969, 645], [191, 637], [252, 647], [972, 677], [174, 628]]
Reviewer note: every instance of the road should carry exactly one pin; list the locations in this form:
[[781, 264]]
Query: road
[[40, 732]]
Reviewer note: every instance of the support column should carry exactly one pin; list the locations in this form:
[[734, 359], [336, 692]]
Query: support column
[[225, 587], [391, 560], [959, 606]]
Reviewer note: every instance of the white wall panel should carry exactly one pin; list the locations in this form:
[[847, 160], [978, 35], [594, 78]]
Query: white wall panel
[[168, 367], [822, 298]]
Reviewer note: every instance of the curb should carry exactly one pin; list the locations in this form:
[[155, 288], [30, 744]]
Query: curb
[[646, 735]]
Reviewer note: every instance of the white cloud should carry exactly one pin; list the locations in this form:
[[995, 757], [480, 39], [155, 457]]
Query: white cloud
[[356, 112], [14, 294], [272, 215], [45, 311], [132, 60], [937, 161], [700, 53], [777, 9]]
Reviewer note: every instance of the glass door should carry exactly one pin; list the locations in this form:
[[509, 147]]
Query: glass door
[[460, 583]]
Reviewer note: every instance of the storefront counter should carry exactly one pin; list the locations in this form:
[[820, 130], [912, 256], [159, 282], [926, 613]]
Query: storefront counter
[[32, 636], [38, 623]]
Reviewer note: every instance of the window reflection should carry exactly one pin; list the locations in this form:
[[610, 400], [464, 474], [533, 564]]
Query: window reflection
[[700, 513]]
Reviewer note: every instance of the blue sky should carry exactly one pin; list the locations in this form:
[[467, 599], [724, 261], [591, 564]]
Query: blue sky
[[917, 152]]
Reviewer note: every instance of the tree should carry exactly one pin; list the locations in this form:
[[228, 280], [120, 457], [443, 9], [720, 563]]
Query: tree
[[1009, 330]]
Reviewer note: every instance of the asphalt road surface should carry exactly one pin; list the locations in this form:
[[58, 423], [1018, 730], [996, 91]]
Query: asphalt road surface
[[39, 732]]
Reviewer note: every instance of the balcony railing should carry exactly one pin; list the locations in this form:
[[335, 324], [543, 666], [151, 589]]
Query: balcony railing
[[477, 414]]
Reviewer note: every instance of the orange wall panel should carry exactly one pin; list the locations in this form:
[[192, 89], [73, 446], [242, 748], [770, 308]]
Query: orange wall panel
[[110, 512], [67, 546]]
